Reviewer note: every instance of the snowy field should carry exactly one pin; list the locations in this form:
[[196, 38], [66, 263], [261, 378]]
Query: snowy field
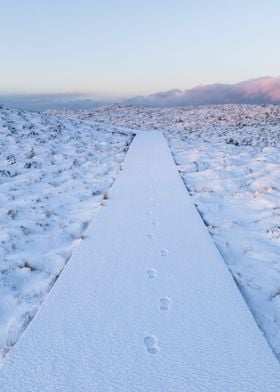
[[54, 174], [56, 168], [229, 158], [146, 302]]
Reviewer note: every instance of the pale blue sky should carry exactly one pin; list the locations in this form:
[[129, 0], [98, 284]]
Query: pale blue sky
[[129, 47]]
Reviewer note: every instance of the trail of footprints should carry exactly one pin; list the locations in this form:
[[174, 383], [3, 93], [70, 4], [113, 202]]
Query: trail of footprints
[[151, 236], [164, 252], [152, 273], [165, 303], [151, 341], [151, 344]]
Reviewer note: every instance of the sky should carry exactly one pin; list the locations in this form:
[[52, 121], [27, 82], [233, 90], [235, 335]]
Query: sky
[[123, 48]]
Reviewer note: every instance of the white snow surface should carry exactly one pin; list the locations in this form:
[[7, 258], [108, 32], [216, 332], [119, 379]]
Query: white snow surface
[[229, 158], [53, 175], [247, 125], [146, 302]]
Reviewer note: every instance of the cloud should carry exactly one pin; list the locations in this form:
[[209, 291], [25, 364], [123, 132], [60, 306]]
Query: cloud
[[265, 90], [41, 102], [255, 91]]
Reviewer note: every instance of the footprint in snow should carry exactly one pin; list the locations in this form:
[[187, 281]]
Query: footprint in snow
[[165, 303], [164, 252], [152, 273], [151, 344], [151, 236], [154, 223]]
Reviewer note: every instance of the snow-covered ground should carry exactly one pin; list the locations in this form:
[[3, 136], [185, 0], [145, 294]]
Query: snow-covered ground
[[146, 303], [252, 125], [54, 173], [229, 158], [236, 190], [55, 170]]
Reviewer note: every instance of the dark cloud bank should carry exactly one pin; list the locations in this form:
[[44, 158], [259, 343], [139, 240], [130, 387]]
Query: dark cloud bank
[[265, 90]]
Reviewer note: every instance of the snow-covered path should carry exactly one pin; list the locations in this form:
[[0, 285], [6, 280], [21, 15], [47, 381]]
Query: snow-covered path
[[146, 302]]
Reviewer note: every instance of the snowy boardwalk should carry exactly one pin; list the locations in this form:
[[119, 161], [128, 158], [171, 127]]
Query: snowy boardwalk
[[146, 302]]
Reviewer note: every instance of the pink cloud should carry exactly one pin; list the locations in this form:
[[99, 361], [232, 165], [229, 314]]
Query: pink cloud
[[267, 86], [254, 91]]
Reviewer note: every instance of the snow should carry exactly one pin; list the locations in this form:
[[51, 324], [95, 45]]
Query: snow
[[229, 158], [236, 190], [53, 175], [146, 302], [248, 125]]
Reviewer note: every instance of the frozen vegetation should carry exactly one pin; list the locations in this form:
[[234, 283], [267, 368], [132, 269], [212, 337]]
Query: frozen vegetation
[[146, 303], [56, 168], [54, 173], [229, 159]]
